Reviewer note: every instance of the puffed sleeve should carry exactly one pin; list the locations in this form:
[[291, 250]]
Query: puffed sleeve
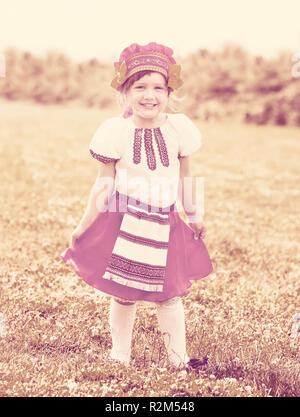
[[190, 139], [105, 145]]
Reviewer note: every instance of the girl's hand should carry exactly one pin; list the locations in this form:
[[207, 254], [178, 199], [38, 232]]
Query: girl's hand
[[199, 229], [76, 234]]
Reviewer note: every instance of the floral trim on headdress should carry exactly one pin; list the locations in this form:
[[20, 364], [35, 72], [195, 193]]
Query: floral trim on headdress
[[120, 72], [174, 80]]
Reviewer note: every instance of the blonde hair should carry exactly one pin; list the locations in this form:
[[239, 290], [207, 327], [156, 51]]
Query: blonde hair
[[173, 101]]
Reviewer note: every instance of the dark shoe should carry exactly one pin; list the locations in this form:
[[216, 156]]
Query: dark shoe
[[197, 364]]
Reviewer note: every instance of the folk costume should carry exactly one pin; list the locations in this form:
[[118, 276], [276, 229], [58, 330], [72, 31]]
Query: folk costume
[[140, 248]]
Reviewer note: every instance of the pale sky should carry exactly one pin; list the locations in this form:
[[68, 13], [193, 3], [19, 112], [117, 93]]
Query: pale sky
[[85, 29]]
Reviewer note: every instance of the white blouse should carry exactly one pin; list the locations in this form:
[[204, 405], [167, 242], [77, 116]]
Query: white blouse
[[147, 159]]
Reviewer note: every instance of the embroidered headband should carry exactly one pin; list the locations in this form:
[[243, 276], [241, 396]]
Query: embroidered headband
[[154, 57]]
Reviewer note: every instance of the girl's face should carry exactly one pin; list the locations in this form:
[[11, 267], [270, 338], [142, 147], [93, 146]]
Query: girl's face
[[148, 97]]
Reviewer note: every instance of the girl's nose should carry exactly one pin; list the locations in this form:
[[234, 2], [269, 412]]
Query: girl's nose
[[148, 93]]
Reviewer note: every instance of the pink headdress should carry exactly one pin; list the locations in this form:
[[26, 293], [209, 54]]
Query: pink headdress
[[154, 57]]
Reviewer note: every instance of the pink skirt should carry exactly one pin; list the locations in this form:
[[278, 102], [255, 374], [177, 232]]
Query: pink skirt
[[93, 253]]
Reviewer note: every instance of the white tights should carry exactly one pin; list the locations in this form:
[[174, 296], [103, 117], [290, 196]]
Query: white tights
[[170, 316]]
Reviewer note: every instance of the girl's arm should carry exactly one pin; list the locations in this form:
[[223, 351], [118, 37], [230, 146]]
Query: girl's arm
[[99, 195], [188, 192], [188, 195]]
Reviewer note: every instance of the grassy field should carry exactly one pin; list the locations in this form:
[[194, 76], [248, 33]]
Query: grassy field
[[55, 329]]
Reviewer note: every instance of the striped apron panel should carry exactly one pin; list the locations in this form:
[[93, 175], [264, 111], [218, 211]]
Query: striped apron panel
[[139, 256]]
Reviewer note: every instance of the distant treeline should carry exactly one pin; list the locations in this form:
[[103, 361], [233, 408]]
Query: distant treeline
[[228, 83]]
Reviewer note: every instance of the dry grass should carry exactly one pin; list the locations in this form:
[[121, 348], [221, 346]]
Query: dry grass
[[57, 329]]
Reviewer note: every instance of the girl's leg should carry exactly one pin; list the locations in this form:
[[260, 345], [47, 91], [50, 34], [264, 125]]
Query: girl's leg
[[121, 320], [170, 315]]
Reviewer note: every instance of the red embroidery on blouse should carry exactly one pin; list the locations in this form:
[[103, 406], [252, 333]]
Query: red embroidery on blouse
[[151, 162], [137, 144], [162, 148], [161, 145], [102, 158]]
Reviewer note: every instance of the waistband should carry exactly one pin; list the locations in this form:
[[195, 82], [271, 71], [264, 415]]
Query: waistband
[[119, 203]]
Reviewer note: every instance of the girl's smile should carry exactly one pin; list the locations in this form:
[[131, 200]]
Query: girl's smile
[[148, 97]]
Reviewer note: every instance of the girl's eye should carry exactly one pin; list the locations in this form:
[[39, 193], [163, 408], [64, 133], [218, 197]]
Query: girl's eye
[[140, 86]]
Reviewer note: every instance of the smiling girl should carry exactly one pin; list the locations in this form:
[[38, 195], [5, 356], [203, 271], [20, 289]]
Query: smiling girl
[[131, 244]]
